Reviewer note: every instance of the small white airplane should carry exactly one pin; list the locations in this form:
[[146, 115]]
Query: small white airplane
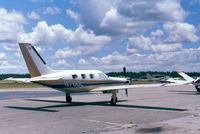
[[190, 80], [157, 77], [73, 81]]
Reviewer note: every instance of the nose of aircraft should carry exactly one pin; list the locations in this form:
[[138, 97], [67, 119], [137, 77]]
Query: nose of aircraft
[[124, 80]]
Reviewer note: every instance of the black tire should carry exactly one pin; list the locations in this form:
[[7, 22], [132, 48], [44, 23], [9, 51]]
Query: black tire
[[198, 89], [112, 102], [68, 99]]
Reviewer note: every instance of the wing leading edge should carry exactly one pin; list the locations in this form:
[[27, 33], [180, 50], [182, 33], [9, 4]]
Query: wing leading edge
[[123, 87]]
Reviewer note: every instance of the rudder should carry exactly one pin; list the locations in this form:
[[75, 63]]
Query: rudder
[[35, 64]]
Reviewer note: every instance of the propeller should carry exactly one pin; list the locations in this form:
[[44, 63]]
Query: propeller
[[124, 71], [125, 75]]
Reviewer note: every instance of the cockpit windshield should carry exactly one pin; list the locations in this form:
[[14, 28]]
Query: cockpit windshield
[[103, 76]]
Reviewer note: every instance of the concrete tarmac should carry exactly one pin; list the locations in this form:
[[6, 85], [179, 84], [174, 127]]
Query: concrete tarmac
[[146, 110]]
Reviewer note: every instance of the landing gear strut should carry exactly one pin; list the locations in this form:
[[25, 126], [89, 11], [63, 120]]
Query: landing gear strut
[[198, 88], [68, 98], [113, 100]]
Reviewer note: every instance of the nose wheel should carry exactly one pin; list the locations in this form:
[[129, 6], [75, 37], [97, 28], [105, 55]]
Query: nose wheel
[[68, 98], [113, 100]]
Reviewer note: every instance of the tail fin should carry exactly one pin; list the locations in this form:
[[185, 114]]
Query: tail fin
[[35, 64], [186, 77], [149, 77]]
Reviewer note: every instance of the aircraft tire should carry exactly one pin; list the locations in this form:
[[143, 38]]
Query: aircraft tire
[[198, 89], [68, 99], [112, 102]]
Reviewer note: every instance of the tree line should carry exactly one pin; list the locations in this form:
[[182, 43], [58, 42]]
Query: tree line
[[142, 75], [134, 75]]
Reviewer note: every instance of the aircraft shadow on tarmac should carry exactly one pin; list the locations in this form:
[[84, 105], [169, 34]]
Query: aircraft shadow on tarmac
[[100, 103], [189, 92]]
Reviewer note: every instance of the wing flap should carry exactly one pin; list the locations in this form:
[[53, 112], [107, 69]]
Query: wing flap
[[35, 79]]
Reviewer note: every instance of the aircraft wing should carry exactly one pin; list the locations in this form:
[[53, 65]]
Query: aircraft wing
[[123, 87], [46, 78], [17, 79], [171, 80]]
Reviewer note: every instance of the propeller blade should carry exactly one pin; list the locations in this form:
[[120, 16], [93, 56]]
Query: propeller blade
[[124, 71], [125, 75]]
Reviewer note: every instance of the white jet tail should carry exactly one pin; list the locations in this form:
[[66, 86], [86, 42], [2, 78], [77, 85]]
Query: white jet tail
[[35, 64], [186, 77]]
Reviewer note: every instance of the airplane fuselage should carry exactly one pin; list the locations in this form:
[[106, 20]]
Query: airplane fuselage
[[79, 80]]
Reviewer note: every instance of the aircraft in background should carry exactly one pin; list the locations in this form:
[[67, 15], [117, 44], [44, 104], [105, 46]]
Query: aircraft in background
[[74, 81], [157, 77], [190, 80]]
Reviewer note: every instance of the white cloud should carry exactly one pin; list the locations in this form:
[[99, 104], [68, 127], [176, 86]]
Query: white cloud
[[84, 41], [62, 63], [33, 15], [11, 47], [167, 61], [11, 24], [51, 10], [171, 10], [180, 32], [66, 53], [73, 15], [129, 17], [2, 56], [82, 62], [140, 43], [113, 24], [153, 10], [166, 47]]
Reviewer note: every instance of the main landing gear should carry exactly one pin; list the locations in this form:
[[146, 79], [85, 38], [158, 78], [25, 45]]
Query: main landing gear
[[198, 88], [68, 98], [113, 100]]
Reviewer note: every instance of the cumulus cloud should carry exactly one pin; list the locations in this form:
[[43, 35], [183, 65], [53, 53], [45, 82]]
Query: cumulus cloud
[[66, 53], [79, 40], [137, 15], [2, 56], [56, 33], [73, 15], [11, 24], [51, 10], [62, 62], [12, 48], [33, 15], [167, 61], [180, 32], [141, 43]]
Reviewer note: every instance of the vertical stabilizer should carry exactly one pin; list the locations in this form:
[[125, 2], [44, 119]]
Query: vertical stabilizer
[[186, 77], [149, 77], [35, 64]]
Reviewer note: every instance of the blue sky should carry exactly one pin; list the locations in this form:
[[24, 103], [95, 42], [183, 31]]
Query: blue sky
[[143, 35]]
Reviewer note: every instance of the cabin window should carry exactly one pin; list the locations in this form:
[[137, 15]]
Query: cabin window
[[91, 76], [74, 76], [83, 76]]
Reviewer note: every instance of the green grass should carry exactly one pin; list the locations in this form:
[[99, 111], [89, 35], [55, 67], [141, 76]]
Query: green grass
[[14, 85], [144, 82]]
